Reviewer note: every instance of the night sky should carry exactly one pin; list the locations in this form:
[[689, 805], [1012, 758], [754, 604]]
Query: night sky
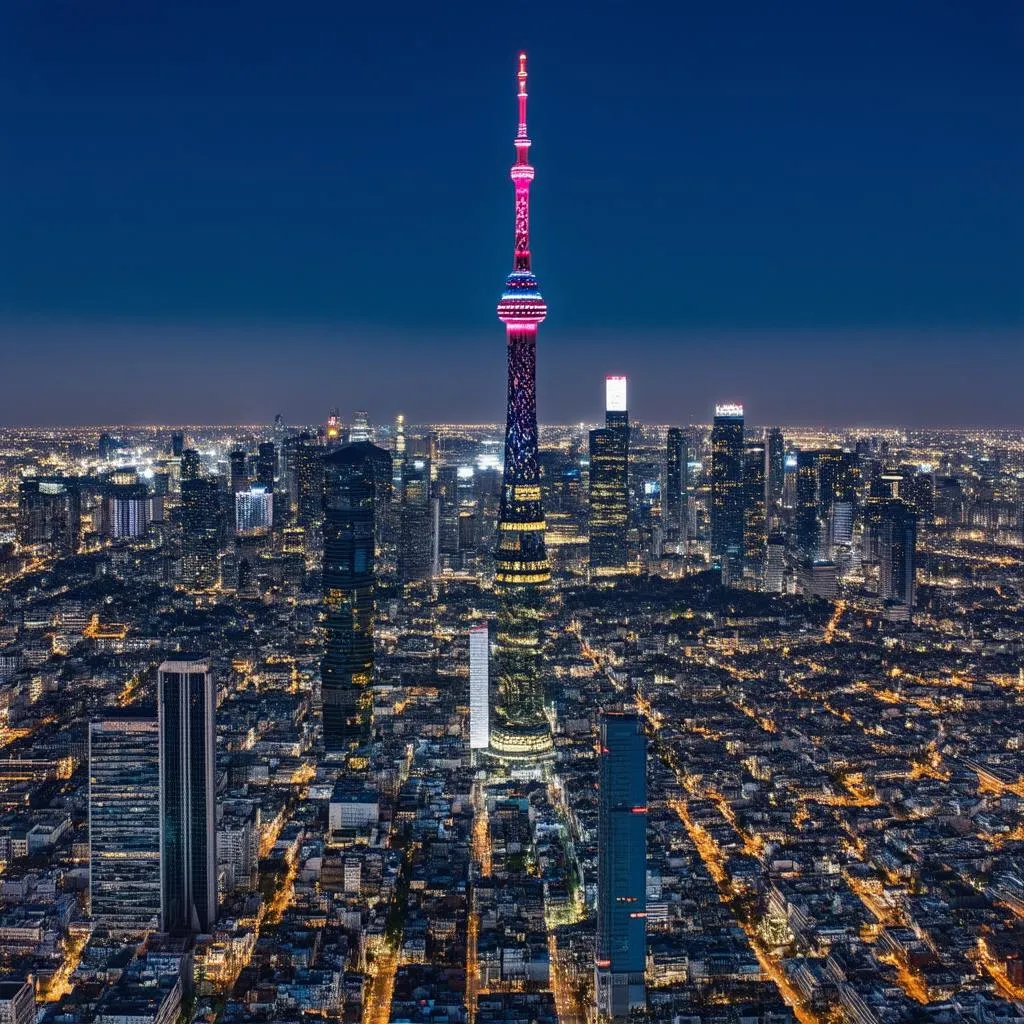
[[215, 211]]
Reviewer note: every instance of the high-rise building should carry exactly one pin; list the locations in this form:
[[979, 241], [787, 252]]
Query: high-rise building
[[127, 510], [415, 538], [727, 483], [266, 465], [609, 485], [124, 823], [309, 476], [676, 468], [447, 490], [201, 530], [621, 950], [333, 431], [609, 501], [479, 681], [50, 514], [521, 570], [17, 1002], [775, 568], [191, 464], [806, 518], [775, 469], [897, 554], [254, 511], [188, 860], [755, 519], [177, 444], [354, 478], [360, 429], [239, 471]]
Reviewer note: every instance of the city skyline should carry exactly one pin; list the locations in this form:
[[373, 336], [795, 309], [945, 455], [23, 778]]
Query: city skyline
[[819, 196]]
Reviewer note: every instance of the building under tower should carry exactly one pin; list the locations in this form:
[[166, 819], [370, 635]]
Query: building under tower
[[520, 728]]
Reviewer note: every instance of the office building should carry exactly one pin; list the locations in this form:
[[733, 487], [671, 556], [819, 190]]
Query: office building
[[239, 471], [126, 510], [447, 492], [676, 468], [188, 847], [17, 1002], [479, 681], [50, 514], [755, 519], [806, 525], [621, 945], [254, 511], [609, 485], [775, 469], [521, 569], [360, 429], [333, 431], [191, 464], [177, 444], [354, 477], [124, 823], [897, 553], [727, 482], [309, 476], [266, 465], [416, 535], [775, 567], [201, 533]]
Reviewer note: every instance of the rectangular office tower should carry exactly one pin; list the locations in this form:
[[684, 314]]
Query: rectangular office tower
[[897, 554], [357, 485], [727, 485], [676, 465], [479, 680], [124, 823], [609, 485], [188, 861], [621, 950]]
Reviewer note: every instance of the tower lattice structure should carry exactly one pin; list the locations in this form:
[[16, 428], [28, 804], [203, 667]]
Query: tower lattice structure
[[521, 729]]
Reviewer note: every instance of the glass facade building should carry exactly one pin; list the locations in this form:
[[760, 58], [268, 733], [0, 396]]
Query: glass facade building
[[621, 949], [188, 861], [727, 482], [357, 481], [124, 823]]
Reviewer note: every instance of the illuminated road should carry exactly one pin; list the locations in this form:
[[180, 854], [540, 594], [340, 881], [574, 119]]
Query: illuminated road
[[60, 984], [567, 1002], [377, 1009]]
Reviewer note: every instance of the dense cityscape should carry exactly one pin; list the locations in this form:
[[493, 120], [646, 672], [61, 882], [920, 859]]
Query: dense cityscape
[[476, 723]]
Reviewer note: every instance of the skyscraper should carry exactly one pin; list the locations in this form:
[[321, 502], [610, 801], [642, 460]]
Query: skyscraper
[[188, 860], [354, 476], [124, 823], [479, 681], [191, 465], [239, 472], [806, 518], [775, 469], [50, 514], [309, 476], [201, 533], [676, 467], [621, 951], [609, 485], [897, 554], [727, 485], [521, 567], [254, 511], [415, 537], [127, 509], [266, 465], [755, 520]]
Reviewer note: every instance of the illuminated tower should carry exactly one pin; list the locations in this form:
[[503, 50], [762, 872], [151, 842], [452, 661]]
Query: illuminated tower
[[521, 563]]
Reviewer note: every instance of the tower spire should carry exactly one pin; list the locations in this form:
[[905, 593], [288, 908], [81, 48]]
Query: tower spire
[[522, 175]]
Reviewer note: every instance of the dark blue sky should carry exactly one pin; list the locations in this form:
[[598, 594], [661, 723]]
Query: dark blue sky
[[214, 211]]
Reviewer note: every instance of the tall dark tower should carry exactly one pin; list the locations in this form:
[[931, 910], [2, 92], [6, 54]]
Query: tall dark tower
[[357, 479], [520, 729], [727, 482]]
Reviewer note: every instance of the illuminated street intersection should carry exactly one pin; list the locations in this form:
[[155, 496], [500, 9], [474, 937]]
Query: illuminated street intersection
[[834, 826]]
